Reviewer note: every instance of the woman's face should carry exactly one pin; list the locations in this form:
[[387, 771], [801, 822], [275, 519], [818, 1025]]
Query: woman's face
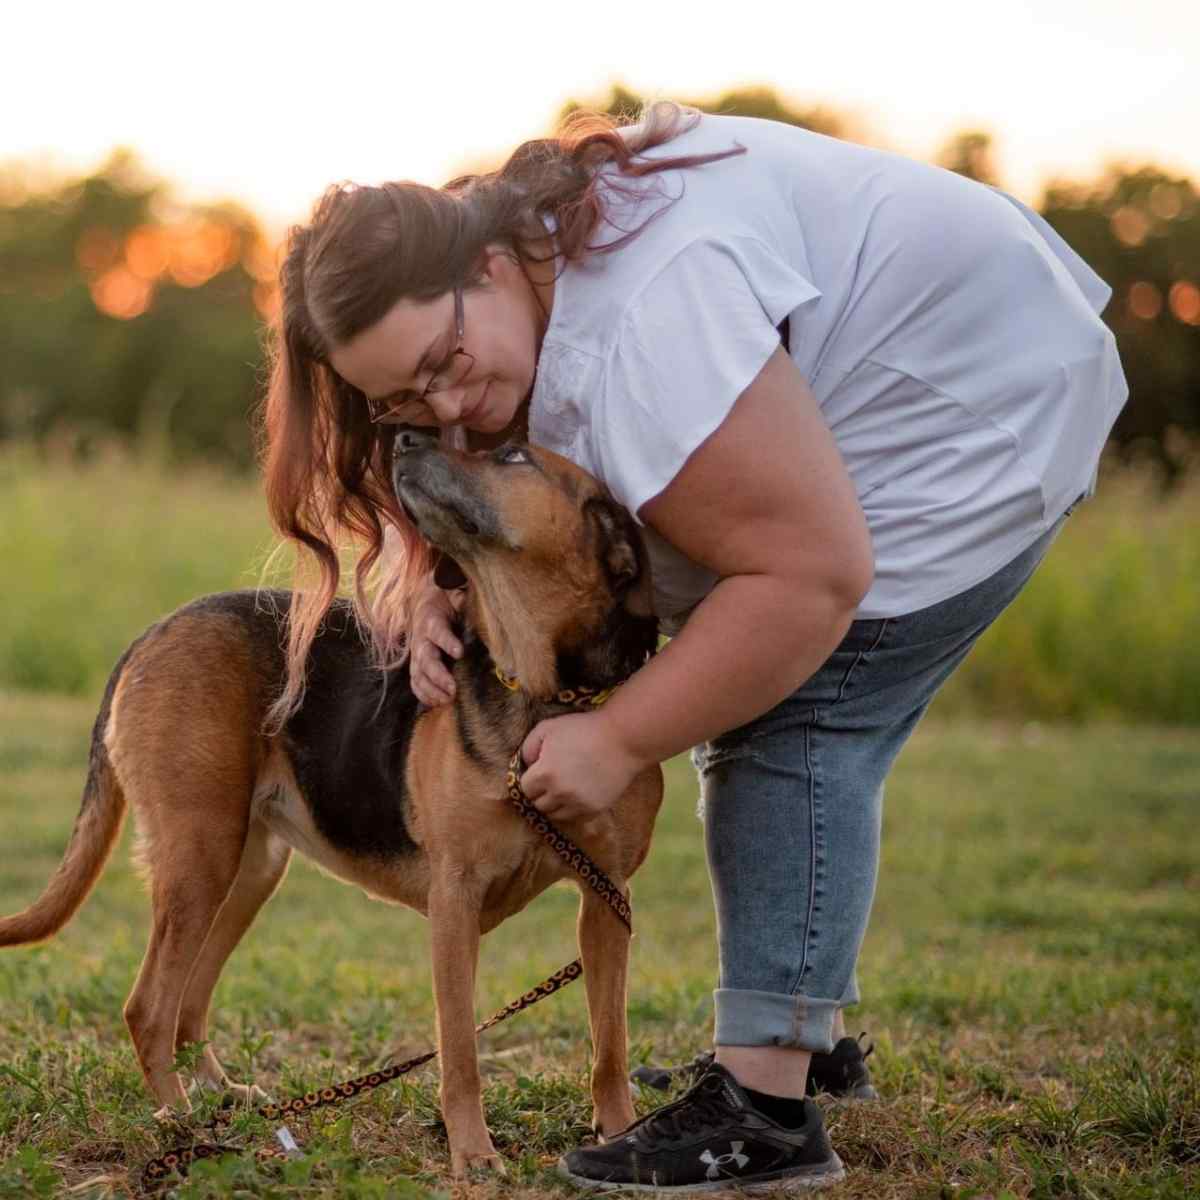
[[392, 360]]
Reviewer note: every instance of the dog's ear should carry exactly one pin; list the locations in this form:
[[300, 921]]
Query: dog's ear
[[623, 554]]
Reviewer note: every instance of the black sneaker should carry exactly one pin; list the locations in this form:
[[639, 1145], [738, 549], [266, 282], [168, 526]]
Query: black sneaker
[[709, 1140], [663, 1077], [843, 1072]]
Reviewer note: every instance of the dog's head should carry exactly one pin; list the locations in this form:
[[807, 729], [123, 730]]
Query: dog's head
[[557, 568]]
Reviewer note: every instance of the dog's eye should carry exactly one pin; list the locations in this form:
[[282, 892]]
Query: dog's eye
[[513, 454]]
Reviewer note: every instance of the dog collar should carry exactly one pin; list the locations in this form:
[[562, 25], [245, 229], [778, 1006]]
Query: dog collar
[[580, 697]]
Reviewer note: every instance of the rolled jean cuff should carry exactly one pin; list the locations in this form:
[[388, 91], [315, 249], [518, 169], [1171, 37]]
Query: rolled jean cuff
[[746, 1018]]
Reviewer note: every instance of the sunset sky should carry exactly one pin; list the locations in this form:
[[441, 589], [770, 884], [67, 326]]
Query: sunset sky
[[269, 102]]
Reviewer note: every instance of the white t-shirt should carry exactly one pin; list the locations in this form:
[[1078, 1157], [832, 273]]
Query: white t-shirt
[[950, 336]]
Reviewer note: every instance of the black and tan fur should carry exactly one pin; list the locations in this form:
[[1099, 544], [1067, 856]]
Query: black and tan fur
[[407, 803]]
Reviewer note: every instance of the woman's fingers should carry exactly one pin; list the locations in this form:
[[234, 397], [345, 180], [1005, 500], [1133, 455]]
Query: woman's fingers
[[442, 637], [432, 682], [431, 679]]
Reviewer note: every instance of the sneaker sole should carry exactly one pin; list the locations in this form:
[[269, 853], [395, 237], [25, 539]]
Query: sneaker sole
[[802, 1179], [855, 1095], [864, 1091]]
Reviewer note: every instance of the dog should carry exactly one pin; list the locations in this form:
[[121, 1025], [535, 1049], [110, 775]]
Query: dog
[[407, 803]]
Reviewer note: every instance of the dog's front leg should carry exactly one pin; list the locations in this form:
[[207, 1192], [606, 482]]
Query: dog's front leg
[[604, 947], [454, 907]]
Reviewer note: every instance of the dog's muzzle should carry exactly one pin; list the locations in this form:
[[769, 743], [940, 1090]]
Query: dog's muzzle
[[442, 500]]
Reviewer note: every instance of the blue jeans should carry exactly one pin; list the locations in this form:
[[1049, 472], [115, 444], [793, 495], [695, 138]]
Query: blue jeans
[[792, 806]]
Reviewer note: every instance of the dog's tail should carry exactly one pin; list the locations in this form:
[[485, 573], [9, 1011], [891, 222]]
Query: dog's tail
[[97, 828]]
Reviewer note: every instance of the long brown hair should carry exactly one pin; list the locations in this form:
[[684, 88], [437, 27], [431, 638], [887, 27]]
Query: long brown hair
[[327, 468]]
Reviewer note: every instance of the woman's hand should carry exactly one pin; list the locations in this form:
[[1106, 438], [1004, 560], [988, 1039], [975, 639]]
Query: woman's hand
[[432, 632], [579, 767]]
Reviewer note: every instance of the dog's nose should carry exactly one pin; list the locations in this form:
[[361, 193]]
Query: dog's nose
[[411, 438]]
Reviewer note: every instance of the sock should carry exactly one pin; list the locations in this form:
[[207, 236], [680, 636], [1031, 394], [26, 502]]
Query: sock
[[786, 1111]]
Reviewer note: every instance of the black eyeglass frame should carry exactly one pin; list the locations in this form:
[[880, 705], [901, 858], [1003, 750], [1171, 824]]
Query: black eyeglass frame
[[373, 406]]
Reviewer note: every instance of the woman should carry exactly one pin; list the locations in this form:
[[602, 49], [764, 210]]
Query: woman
[[849, 396]]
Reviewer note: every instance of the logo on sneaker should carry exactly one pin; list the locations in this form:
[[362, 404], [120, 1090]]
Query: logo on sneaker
[[716, 1162]]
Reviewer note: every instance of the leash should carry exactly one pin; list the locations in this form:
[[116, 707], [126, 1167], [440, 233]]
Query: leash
[[181, 1158]]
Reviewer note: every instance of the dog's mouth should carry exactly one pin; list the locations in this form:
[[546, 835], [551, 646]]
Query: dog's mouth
[[447, 574], [450, 522], [419, 506]]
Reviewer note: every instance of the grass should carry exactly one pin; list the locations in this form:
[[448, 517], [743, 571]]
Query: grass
[[96, 552], [1031, 976], [1031, 979], [1104, 629]]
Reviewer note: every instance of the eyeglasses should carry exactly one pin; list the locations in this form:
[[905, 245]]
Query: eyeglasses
[[453, 371]]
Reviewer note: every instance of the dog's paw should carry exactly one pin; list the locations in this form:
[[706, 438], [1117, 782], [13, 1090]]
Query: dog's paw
[[174, 1114], [229, 1095], [609, 1127], [466, 1164], [248, 1093]]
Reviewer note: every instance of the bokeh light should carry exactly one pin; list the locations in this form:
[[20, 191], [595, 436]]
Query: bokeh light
[[260, 258], [123, 274], [1145, 301], [1130, 225], [1184, 300], [122, 294], [199, 250], [147, 251], [1166, 202]]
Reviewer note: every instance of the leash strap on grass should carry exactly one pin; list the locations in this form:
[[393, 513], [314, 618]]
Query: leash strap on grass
[[181, 1158]]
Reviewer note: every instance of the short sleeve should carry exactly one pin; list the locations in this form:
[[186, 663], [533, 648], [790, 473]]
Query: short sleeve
[[691, 342]]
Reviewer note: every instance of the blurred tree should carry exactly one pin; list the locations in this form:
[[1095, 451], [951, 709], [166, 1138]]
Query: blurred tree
[[969, 153], [623, 104], [1139, 229], [124, 312]]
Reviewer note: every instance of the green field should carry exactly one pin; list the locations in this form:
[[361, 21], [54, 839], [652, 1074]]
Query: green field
[[95, 552], [1031, 979]]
